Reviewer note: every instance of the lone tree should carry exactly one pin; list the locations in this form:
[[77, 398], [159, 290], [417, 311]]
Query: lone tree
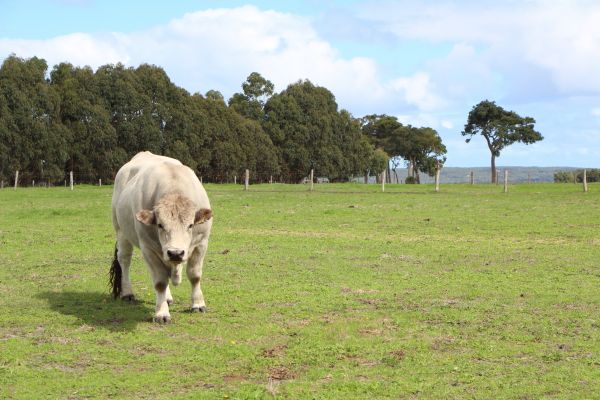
[[500, 128]]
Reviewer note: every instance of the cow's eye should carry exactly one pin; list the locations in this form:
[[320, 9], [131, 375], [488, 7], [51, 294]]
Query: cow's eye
[[160, 226]]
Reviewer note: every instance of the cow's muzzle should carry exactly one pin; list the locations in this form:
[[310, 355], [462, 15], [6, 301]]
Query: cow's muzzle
[[175, 255]]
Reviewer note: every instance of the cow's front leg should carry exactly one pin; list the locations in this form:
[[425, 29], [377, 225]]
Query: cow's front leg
[[194, 273], [160, 278], [169, 296]]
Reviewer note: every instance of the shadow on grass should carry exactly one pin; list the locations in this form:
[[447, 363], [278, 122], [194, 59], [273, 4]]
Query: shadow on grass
[[98, 309]]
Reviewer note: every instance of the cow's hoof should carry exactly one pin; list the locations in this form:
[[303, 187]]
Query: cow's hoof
[[162, 319], [199, 309], [129, 298]]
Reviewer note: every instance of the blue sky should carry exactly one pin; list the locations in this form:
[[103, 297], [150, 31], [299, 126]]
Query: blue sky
[[427, 63]]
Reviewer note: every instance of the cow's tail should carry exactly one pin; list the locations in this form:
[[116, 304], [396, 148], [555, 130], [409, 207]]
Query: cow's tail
[[114, 276]]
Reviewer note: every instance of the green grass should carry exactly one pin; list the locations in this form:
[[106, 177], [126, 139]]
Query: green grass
[[341, 293]]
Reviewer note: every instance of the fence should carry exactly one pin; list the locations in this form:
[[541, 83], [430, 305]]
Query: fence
[[473, 177], [68, 181]]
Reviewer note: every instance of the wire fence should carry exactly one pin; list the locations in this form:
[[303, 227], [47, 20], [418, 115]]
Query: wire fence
[[312, 182]]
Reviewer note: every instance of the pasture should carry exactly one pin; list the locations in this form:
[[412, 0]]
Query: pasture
[[350, 293]]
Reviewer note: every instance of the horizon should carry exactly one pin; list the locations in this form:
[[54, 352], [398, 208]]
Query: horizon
[[514, 166], [427, 65]]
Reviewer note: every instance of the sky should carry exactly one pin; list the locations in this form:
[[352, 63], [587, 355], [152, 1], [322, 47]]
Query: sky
[[425, 62]]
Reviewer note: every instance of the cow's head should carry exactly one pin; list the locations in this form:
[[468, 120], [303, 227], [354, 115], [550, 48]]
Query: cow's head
[[174, 218]]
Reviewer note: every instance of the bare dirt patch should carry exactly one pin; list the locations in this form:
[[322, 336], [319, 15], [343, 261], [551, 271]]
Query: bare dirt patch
[[276, 351], [234, 378], [280, 373]]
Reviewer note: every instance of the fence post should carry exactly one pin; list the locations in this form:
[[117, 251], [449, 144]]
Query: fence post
[[71, 179], [312, 175], [235, 179], [16, 179], [99, 182], [271, 180], [33, 183], [505, 181], [585, 187], [437, 178], [472, 178], [246, 179], [383, 181]]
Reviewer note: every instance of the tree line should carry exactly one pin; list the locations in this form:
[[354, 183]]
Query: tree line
[[592, 175], [91, 122]]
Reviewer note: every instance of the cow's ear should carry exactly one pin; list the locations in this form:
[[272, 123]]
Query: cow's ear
[[202, 215], [146, 217]]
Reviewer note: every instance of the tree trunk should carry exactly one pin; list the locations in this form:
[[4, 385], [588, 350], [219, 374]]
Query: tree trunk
[[411, 169], [493, 168]]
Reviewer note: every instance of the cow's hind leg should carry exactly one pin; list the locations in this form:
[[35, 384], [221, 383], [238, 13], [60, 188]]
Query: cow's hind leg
[[124, 252], [194, 273]]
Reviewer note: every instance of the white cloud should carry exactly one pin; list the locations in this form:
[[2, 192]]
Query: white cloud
[[571, 49], [447, 124], [420, 119], [76, 48], [463, 74], [512, 52], [519, 41], [417, 90], [218, 49]]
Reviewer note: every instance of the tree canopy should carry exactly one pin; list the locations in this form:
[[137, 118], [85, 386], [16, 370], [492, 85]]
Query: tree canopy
[[90, 122], [500, 128], [305, 125], [32, 138], [420, 148], [256, 91]]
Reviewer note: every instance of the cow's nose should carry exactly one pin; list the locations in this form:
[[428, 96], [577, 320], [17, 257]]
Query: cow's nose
[[175, 255]]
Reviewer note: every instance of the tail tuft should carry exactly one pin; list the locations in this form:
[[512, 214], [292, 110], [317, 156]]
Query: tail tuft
[[114, 276]]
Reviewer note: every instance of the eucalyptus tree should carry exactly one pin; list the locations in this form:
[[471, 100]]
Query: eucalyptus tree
[[422, 148], [215, 95], [232, 143], [256, 91], [30, 128], [92, 151], [380, 130], [309, 132]]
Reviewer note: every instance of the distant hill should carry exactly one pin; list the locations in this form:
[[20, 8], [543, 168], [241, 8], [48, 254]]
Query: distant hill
[[482, 174]]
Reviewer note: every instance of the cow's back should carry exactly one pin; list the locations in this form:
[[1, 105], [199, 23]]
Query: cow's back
[[142, 181], [141, 162]]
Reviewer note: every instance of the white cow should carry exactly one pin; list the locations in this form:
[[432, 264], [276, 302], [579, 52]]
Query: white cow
[[160, 206]]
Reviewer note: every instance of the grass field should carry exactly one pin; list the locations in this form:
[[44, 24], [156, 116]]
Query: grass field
[[469, 293]]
